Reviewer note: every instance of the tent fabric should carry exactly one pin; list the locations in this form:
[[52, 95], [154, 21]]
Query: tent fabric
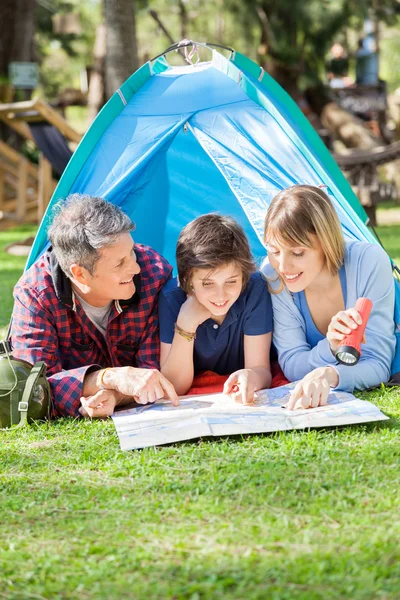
[[177, 142]]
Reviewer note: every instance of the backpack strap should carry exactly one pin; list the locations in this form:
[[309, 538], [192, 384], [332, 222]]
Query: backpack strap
[[38, 371]]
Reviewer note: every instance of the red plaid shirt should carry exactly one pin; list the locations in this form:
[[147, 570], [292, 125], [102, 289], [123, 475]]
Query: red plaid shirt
[[49, 324]]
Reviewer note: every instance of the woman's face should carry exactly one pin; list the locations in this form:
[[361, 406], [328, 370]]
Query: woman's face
[[298, 266]]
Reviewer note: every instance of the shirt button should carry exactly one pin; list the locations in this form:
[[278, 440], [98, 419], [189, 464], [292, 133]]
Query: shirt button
[[215, 326]]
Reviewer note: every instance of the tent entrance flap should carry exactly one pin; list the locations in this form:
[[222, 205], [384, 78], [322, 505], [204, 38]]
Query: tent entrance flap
[[180, 183]]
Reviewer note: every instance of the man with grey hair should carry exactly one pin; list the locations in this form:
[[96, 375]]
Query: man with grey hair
[[88, 309]]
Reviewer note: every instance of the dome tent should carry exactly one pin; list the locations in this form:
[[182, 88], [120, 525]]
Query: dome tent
[[177, 142], [173, 143]]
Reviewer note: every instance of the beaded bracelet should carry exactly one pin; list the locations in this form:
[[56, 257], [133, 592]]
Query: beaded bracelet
[[185, 334]]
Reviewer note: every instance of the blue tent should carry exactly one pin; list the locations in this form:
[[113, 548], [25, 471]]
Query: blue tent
[[177, 142]]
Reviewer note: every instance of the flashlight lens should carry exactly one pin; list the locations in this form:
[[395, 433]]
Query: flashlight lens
[[346, 358]]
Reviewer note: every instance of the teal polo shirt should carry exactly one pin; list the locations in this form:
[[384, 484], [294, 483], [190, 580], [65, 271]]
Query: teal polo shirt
[[220, 348]]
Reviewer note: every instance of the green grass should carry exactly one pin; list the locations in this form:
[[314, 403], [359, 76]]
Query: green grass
[[11, 268], [390, 238], [388, 205], [295, 515]]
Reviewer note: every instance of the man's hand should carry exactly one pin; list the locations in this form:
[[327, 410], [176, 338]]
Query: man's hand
[[142, 385], [240, 386], [100, 405], [313, 390]]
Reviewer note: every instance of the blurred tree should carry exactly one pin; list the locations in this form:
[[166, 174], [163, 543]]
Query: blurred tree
[[121, 58], [295, 35], [17, 24], [64, 51]]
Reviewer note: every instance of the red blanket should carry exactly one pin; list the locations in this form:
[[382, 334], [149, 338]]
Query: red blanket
[[209, 382]]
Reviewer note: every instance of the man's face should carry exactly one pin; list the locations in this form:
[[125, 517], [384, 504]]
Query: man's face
[[112, 278]]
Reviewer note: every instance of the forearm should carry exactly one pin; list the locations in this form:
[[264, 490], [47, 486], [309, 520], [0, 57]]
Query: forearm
[[298, 359], [91, 383], [105, 379], [332, 376], [67, 389], [178, 367], [262, 378], [365, 374]]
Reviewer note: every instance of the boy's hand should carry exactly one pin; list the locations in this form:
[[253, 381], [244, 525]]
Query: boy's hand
[[240, 386], [192, 314]]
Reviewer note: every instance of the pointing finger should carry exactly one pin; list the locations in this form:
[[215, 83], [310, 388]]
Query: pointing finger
[[294, 396], [169, 389]]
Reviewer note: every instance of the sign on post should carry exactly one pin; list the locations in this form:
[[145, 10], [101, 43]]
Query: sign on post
[[24, 74]]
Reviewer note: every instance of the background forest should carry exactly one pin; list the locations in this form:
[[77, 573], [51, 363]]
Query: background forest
[[75, 38]]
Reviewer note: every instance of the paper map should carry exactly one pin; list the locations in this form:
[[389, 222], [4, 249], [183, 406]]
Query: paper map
[[216, 415]]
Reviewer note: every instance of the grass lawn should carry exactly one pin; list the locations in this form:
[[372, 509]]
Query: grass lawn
[[306, 514], [11, 268]]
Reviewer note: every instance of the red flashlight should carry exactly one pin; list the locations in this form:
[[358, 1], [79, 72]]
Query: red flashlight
[[349, 350]]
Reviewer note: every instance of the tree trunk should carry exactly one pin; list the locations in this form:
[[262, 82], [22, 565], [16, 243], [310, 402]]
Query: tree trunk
[[347, 128], [17, 23], [184, 19], [341, 123], [7, 14], [96, 81], [24, 27], [121, 55]]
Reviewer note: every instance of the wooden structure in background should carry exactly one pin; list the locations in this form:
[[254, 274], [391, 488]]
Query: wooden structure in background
[[26, 188], [360, 168]]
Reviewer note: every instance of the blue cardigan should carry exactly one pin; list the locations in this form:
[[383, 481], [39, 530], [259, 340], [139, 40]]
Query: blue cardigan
[[368, 274]]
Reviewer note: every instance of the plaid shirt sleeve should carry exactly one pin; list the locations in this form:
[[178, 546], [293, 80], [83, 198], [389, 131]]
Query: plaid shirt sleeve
[[34, 338], [157, 272]]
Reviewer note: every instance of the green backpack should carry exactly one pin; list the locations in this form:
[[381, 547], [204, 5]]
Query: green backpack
[[24, 390]]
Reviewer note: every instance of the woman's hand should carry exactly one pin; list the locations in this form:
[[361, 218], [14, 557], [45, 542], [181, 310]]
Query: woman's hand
[[240, 386], [313, 390], [343, 323], [192, 314]]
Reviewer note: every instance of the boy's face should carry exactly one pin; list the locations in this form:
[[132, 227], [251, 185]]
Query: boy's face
[[218, 290]]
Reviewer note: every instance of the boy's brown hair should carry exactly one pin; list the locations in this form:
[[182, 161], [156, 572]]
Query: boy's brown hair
[[209, 242]]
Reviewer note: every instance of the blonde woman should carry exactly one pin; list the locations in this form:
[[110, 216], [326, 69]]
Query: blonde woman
[[315, 279]]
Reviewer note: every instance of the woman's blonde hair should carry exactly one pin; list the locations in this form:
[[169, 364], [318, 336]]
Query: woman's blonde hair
[[299, 211]]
